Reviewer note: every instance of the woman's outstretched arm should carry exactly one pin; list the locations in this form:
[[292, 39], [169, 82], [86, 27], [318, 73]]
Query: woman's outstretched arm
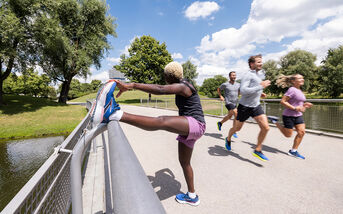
[[175, 88]]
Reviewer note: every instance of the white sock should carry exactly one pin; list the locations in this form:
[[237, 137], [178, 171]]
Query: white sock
[[293, 150], [116, 115], [192, 195]]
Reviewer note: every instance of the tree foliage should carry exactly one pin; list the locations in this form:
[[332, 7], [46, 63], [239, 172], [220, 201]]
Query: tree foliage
[[78, 89], [16, 29], [272, 73], [75, 39], [190, 72], [300, 62], [146, 61], [210, 85], [29, 83], [331, 73]]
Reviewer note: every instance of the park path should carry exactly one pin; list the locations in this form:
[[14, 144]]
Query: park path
[[237, 182]]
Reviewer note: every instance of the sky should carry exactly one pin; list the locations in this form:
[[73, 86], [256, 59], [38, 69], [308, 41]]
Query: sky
[[219, 36]]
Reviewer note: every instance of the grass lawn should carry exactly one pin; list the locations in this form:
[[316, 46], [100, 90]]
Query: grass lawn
[[28, 117]]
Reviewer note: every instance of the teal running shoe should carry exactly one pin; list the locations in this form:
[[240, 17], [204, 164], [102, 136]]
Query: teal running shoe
[[105, 104], [260, 155], [296, 154], [219, 126], [227, 144], [273, 119], [185, 199]]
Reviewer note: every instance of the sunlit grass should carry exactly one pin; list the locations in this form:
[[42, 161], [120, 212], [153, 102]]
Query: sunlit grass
[[25, 117]]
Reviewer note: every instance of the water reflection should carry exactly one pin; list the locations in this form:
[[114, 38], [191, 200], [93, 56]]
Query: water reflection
[[19, 160], [319, 117]]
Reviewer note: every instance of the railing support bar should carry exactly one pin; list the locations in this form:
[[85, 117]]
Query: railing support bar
[[75, 166]]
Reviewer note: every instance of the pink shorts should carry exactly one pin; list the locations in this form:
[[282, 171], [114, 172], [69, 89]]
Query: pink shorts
[[196, 130]]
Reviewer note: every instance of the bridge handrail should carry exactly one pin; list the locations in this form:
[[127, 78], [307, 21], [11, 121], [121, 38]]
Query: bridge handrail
[[42, 185], [57, 183]]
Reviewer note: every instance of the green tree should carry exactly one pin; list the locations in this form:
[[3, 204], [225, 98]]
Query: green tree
[[16, 25], [300, 62], [272, 73], [146, 61], [75, 39], [190, 72], [210, 85], [95, 85], [331, 73], [29, 83]]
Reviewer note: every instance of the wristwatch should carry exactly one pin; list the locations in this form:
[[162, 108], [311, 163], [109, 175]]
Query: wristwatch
[[295, 108]]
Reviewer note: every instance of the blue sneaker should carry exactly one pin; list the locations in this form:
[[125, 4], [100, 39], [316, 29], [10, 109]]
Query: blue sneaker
[[235, 135], [260, 155], [105, 104], [273, 119], [227, 144], [185, 199], [295, 154], [219, 126]]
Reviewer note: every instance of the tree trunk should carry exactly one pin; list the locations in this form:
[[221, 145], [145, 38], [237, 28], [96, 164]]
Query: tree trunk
[[3, 76], [149, 97], [64, 91], [1, 93]]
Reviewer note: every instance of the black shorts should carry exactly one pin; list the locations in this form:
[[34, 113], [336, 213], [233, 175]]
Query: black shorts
[[244, 112], [289, 122], [230, 106]]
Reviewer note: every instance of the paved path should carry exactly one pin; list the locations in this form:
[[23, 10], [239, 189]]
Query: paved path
[[237, 182]]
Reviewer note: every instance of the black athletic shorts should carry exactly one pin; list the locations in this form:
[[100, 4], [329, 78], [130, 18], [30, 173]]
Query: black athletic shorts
[[289, 122], [230, 106], [243, 112]]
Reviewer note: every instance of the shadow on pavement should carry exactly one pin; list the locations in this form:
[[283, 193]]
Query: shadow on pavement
[[165, 179], [215, 135], [266, 148], [221, 151]]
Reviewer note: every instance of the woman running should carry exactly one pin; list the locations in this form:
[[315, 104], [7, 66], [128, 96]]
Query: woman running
[[189, 125], [293, 101]]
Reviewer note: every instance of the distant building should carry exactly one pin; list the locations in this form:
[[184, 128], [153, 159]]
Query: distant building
[[114, 74]]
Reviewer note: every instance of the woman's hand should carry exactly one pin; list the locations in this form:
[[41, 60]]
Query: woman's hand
[[308, 105], [300, 108], [123, 87]]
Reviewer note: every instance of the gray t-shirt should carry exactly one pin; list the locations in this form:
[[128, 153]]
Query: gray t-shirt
[[230, 92], [251, 89]]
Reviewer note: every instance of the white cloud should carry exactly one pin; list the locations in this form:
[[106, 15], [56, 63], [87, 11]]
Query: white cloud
[[201, 9], [177, 56], [314, 24], [103, 76], [38, 69], [113, 60]]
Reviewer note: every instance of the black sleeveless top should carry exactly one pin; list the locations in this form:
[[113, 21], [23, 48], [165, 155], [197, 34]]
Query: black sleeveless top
[[190, 106]]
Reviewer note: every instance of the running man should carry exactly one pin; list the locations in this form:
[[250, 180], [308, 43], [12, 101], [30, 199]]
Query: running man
[[189, 125], [293, 101], [231, 92], [252, 85]]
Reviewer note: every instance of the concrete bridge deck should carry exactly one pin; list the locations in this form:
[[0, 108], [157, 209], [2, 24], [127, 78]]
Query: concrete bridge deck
[[237, 182]]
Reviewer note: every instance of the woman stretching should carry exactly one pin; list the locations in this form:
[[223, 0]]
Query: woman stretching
[[189, 125], [293, 101]]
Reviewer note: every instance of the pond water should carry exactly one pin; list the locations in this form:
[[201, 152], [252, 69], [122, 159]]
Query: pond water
[[19, 160]]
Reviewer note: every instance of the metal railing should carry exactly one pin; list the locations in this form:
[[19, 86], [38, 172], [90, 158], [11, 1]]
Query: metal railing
[[320, 117], [57, 184], [48, 191]]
